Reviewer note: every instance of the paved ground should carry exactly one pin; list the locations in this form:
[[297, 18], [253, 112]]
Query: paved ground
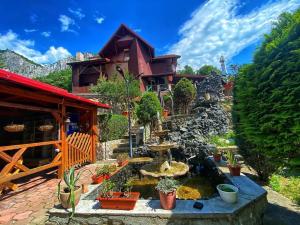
[[37, 194]]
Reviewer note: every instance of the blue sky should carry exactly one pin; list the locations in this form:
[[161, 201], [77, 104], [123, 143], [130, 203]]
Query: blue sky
[[200, 31]]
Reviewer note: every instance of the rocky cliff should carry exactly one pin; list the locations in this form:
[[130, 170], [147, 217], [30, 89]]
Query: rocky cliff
[[17, 63]]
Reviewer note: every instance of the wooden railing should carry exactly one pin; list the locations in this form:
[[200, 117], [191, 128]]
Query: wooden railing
[[79, 149], [14, 162]]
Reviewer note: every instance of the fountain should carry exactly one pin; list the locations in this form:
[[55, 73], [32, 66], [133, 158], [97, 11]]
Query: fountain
[[163, 166]]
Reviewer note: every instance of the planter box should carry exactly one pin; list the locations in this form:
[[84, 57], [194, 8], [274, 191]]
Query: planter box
[[118, 202], [99, 179], [123, 163]]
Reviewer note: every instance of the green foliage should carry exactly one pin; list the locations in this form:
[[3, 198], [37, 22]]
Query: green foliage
[[184, 94], [71, 181], [106, 188], [225, 140], [207, 70], [186, 70], [289, 186], [148, 107], [231, 158], [113, 126], [167, 185], [267, 98], [113, 91], [61, 79], [103, 170]]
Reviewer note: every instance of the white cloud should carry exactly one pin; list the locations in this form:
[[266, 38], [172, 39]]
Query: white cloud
[[33, 18], [46, 33], [77, 12], [66, 22], [138, 30], [29, 30], [11, 41], [99, 19], [215, 29]]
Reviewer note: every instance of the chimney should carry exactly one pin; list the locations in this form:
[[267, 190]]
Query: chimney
[[79, 56]]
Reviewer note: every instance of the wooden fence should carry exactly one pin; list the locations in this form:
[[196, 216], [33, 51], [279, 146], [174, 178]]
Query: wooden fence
[[79, 149]]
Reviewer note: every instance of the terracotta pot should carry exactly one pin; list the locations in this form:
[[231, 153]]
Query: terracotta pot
[[166, 113], [99, 179], [125, 113], [64, 198], [167, 201], [235, 171], [122, 163], [217, 157], [119, 201]]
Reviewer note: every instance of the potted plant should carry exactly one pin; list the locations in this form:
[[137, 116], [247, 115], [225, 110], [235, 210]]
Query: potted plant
[[69, 195], [122, 159], [165, 113], [167, 192], [233, 165], [116, 200], [217, 155], [102, 173], [228, 192]]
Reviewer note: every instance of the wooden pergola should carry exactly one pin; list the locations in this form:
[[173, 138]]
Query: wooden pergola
[[22, 98]]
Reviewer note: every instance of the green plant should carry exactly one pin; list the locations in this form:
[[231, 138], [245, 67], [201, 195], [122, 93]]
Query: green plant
[[103, 170], [61, 79], [113, 90], [207, 70], [167, 185], [224, 140], [184, 94], [122, 157], [186, 70], [128, 187], [114, 126], [106, 188], [112, 168], [71, 181], [148, 107], [231, 159], [266, 99]]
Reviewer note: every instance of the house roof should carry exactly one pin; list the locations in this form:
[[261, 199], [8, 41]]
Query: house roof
[[37, 85], [161, 57], [116, 36]]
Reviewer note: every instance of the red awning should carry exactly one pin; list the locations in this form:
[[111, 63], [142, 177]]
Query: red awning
[[34, 84]]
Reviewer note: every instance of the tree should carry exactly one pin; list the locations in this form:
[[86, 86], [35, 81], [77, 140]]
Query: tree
[[187, 70], [148, 107], [113, 91], [184, 94], [207, 70], [267, 99], [61, 79]]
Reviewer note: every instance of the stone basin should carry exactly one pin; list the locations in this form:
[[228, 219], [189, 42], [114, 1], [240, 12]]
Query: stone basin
[[161, 133], [161, 147], [174, 170]]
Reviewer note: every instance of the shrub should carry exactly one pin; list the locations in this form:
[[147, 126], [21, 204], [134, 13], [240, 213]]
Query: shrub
[[184, 93], [113, 126], [167, 185], [267, 98], [148, 107], [61, 79]]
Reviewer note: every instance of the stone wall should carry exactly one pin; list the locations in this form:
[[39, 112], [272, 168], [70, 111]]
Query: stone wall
[[109, 146]]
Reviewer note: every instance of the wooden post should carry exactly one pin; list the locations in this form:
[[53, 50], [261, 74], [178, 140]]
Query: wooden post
[[64, 146], [94, 133]]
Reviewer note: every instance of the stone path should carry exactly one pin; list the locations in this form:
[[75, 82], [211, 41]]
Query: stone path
[[35, 196]]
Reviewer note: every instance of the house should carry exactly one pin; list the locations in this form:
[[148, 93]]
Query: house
[[132, 53], [43, 127]]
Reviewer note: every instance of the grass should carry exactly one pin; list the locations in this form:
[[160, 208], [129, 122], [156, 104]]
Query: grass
[[289, 186], [224, 140]]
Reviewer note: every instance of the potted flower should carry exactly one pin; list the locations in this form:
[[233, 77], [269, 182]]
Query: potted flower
[[122, 159], [233, 165], [69, 195], [102, 173], [116, 200], [228, 192], [217, 155], [167, 192]]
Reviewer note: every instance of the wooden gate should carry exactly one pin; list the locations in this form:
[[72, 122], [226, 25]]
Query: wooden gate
[[79, 149]]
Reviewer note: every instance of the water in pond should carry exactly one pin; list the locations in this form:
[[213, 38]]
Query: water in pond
[[190, 188]]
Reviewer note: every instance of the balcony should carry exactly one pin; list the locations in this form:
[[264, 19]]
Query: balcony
[[157, 87]]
